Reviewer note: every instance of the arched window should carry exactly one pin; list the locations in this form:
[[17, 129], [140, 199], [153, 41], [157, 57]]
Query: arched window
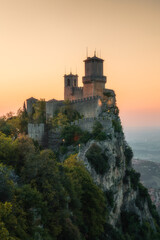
[[68, 82], [75, 82]]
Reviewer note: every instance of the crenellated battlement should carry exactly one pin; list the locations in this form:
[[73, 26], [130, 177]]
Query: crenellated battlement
[[86, 99]]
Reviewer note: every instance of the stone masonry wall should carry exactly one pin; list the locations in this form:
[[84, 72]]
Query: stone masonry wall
[[87, 107], [37, 132], [51, 107], [86, 124]]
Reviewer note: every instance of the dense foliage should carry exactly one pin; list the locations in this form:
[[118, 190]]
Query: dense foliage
[[39, 111], [98, 159], [36, 190], [42, 198], [98, 133], [128, 154], [134, 178], [117, 125], [74, 135], [12, 125]]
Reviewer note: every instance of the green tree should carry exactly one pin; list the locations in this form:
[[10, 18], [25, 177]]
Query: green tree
[[71, 134], [5, 210], [97, 132], [23, 119], [70, 113], [98, 159], [39, 115], [93, 205], [60, 120], [7, 178], [7, 150]]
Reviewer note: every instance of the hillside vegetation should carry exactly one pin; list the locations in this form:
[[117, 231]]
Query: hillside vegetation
[[45, 198]]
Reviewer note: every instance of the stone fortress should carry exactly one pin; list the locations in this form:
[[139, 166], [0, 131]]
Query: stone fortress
[[89, 100]]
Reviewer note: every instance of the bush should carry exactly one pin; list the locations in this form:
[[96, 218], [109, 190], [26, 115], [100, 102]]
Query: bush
[[71, 134], [135, 230], [128, 154], [143, 192], [97, 132], [97, 159], [117, 126], [85, 137], [130, 222], [111, 233], [134, 178]]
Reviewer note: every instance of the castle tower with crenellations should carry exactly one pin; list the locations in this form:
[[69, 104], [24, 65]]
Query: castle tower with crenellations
[[71, 89], [93, 81]]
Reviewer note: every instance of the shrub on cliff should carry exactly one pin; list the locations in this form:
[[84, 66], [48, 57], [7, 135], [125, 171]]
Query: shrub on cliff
[[97, 159], [73, 134], [128, 154], [133, 229], [134, 178], [117, 125], [97, 132]]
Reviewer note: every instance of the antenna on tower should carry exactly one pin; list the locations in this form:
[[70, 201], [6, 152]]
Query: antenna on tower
[[65, 70], [100, 53], [70, 70], [87, 52], [95, 52]]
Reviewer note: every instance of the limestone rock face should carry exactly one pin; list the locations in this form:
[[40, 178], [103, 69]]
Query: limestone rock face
[[112, 181]]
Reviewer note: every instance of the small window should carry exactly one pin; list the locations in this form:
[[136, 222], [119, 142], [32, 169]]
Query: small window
[[75, 82], [68, 82]]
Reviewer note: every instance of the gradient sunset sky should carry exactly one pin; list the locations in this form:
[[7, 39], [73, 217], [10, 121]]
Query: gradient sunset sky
[[41, 39]]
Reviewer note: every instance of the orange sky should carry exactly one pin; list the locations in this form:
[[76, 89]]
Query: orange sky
[[39, 39]]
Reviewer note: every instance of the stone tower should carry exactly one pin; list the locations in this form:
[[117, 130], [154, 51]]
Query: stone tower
[[70, 82], [30, 102], [93, 81]]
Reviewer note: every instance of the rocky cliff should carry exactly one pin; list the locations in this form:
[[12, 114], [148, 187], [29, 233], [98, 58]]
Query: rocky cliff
[[116, 178]]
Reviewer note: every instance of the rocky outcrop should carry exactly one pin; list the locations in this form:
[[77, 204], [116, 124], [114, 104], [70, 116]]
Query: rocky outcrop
[[114, 180]]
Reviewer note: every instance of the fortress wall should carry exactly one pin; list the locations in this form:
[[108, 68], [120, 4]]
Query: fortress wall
[[88, 107], [51, 107], [77, 93], [86, 124], [37, 132]]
